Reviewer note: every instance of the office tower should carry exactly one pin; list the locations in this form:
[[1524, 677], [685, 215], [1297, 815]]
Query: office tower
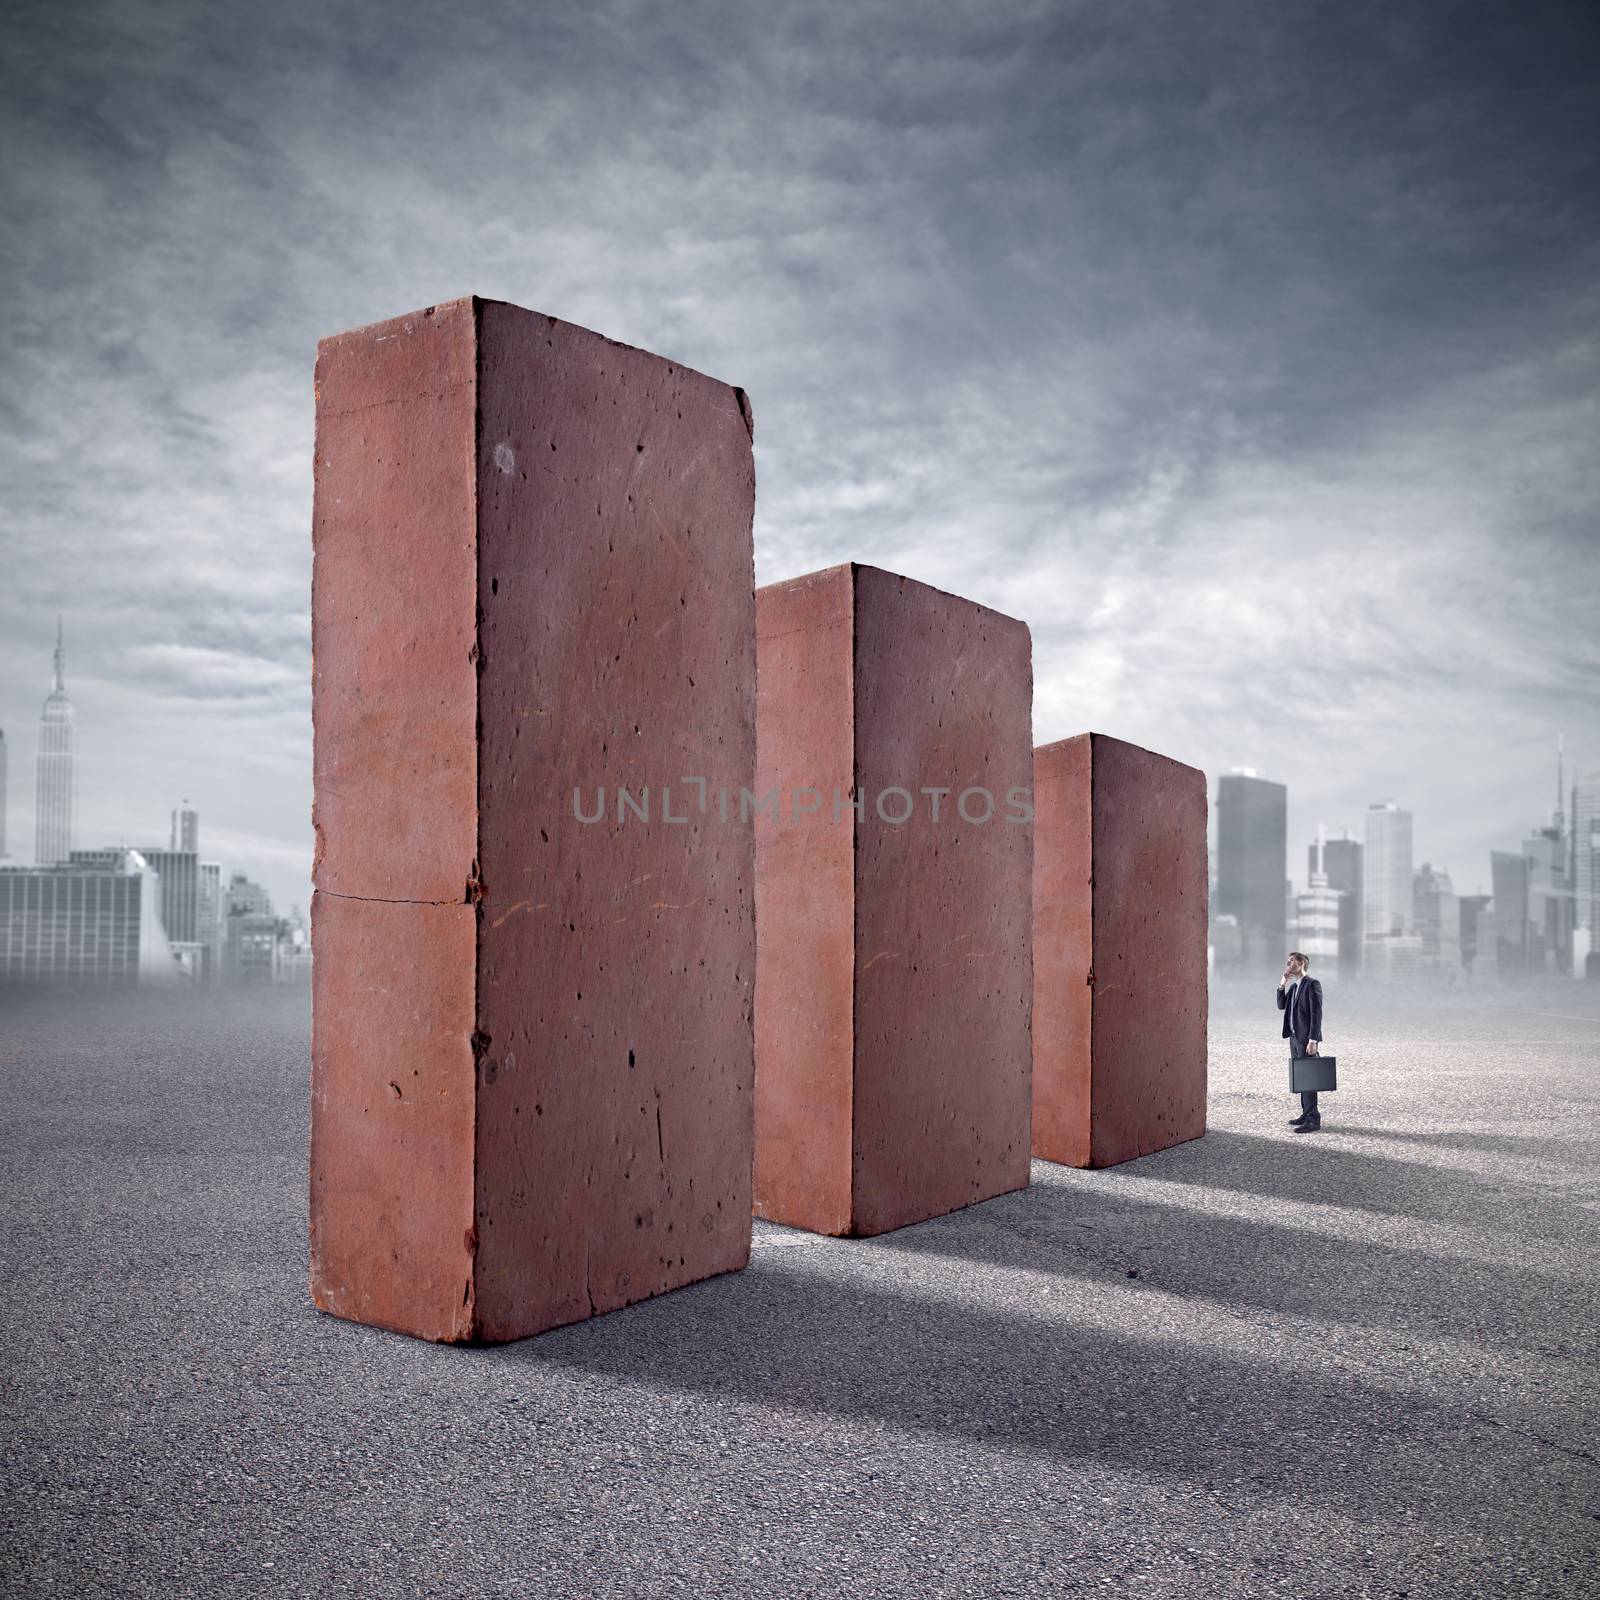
[[2, 794], [1558, 817], [1318, 911], [180, 891], [250, 932], [1252, 863], [1386, 871], [1536, 902], [1486, 955], [178, 872], [1475, 924], [243, 897], [89, 922], [209, 930], [1550, 899], [1515, 951], [185, 830], [1341, 862], [57, 800], [1586, 862], [210, 879], [1437, 916], [1553, 906]]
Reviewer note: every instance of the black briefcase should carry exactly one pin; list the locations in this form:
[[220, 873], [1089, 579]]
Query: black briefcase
[[1314, 1073]]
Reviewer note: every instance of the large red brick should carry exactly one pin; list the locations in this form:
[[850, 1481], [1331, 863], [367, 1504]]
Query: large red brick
[[532, 1050], [1120, 1001], [894, 978]]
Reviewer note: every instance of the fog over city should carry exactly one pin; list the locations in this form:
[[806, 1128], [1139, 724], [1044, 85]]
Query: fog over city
[[1246, 353]]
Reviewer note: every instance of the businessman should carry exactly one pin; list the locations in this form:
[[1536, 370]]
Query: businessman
[[1300, 1001]]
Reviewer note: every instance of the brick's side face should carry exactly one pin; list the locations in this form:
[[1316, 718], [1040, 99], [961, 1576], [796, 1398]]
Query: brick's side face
[[1150, 998], [616, 961], [393, 705], [943, 946], [391, 1115], [394, 694], [1062, 954], [804, 901]]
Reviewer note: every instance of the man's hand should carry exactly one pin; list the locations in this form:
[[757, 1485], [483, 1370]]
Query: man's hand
[[1311, 1047]]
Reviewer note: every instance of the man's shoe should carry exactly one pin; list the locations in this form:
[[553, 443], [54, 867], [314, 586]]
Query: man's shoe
[[1294, 1122], [1310, 1125]]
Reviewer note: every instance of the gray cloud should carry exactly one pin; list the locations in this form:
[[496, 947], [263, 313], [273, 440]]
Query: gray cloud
[[1247, 351]]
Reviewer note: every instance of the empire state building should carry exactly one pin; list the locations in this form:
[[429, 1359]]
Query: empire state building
[[57, 796]]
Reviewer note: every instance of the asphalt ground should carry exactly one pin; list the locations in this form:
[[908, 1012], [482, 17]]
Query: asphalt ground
[[1359, 1362]]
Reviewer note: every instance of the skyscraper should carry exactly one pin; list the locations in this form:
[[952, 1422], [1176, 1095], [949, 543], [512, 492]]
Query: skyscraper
[[178, 874], [210, 930], [1586, 866], [1516, 952], [251, 937], [95, 922], [1437, 915], [1252, 863], [1550, 900], [1315, 926], [1480, 953], [1386, 871], [57, 797], [1341, 860], [185, 830]]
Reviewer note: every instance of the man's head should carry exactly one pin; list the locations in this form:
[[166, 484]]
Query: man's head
[[1297, 963]]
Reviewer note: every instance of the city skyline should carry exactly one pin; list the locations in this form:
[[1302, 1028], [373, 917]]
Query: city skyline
[[1368, 906], [59, 710], [116, 800]]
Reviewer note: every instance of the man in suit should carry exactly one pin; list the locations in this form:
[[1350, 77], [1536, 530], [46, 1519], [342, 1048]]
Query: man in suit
[[1300, 1001]]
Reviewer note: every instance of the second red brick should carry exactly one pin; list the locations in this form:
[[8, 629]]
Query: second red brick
[[893, 871]]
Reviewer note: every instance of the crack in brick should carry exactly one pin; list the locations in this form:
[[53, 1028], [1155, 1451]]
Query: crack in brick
[[385, 900]]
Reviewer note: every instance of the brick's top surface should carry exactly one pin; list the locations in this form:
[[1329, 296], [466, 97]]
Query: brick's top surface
[[573, 337], [405, 358], [873, 583], [820, 579], [1048, 753], [1061, 761], [386, 329], [383, 350], [870, 583], [1059, 748]]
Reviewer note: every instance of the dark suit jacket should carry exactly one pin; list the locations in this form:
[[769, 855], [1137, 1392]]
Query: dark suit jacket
[[1306, 1023]]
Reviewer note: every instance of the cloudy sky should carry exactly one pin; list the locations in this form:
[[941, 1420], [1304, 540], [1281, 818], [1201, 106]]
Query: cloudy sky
[[1248, 351]]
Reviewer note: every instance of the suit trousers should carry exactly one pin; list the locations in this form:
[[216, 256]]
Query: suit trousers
[[1308, 1097]]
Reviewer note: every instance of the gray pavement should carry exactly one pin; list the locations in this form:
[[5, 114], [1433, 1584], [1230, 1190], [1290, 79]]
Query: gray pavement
[[1361, 1362]]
